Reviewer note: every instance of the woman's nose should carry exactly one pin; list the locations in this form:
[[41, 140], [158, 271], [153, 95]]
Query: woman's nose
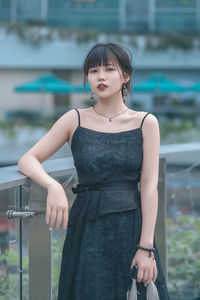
[[101, 74]]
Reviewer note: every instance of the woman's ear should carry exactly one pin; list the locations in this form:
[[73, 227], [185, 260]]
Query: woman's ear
[[126, 78]]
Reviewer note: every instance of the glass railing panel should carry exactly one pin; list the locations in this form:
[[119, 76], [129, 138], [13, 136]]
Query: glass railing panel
[[9, 246], [183, 224]]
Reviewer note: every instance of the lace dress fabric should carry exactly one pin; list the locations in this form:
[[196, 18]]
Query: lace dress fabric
[[105, 220]]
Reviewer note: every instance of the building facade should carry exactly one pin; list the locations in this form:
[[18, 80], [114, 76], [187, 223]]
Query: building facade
[[140, 16]]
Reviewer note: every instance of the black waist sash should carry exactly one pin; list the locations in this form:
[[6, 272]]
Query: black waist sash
[[98, 199], [91, 202]]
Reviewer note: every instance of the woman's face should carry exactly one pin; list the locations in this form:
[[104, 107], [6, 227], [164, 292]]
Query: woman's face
[[106, 81]]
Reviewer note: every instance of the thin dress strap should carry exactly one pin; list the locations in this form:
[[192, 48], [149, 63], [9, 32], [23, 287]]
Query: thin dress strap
[[144, 118], [78, 116]]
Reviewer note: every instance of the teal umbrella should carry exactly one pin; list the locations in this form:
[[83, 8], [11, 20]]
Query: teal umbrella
[[195, 88], [80, 88], [47, 82], [158, 83]]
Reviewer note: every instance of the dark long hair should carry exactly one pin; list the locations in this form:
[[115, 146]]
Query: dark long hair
[[101, 53]]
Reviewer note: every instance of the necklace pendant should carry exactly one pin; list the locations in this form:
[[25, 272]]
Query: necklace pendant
[[110, 119]]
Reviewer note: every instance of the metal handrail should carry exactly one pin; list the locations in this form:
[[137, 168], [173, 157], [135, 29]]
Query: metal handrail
[[12, 177]]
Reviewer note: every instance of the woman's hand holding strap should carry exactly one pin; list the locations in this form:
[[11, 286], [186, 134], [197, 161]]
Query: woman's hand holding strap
[[147, 269]]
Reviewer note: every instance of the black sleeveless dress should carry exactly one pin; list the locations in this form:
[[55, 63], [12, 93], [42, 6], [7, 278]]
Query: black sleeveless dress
[[105, 220]]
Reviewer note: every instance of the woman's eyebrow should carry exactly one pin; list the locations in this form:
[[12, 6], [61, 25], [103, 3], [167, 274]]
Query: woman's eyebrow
[[110, 64]]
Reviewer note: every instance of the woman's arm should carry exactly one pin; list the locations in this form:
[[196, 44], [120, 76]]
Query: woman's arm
[[147, 269], [149, 179], [30, 165]]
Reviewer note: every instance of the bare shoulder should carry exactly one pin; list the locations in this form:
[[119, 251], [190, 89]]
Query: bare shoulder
[[150, 127], [149, 118], [75, 113], [70, 114], [71, 118], [140, 115]]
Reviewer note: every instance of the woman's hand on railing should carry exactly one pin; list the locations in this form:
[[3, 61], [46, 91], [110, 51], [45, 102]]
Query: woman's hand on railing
[[147, 268], [56, 206]]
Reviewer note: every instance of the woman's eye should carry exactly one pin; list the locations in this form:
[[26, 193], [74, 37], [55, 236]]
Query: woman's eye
[[110, 69], [92, 71]]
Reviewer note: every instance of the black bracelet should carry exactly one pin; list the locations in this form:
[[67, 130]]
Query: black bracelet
[[147, 249]]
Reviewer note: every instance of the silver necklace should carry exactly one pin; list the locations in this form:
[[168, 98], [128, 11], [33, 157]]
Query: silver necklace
[[110, 118]]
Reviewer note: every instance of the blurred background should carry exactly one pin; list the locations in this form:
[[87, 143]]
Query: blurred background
[[53, 37], [43, 44]]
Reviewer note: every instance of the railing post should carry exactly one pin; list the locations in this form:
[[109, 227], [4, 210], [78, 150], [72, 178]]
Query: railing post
[[160, 230], [39, 247]]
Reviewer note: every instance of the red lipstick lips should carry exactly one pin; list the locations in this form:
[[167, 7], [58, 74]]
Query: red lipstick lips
[[102, 86]]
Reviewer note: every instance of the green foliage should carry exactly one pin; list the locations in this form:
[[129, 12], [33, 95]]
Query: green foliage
[[36, 33], [184, 256], [190, 102], [9, 283], [56, 250], [164, 41], [173, 126]]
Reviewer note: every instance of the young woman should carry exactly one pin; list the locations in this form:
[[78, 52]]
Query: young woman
[[111, 224]]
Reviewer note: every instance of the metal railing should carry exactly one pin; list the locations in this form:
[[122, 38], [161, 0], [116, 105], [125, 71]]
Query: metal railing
[[29, 266]]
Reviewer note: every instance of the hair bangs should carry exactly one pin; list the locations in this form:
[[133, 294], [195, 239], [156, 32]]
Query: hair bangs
[[99, 56]]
